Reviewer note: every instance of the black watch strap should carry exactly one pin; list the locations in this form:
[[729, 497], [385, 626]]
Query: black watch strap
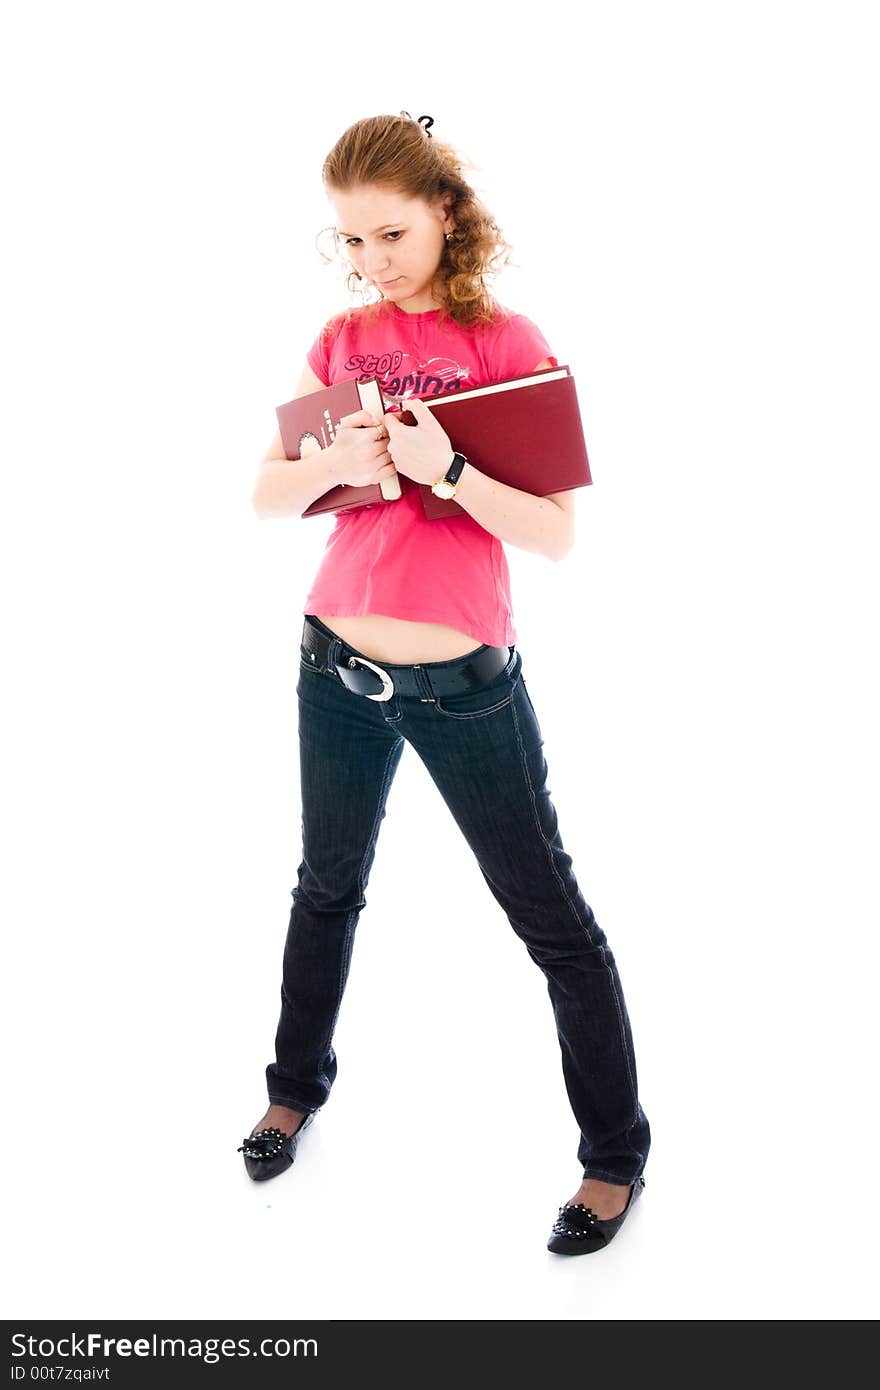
[[453, 472]]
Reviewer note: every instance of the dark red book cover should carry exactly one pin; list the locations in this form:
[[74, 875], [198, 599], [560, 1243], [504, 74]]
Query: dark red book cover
[[310, 422], [525, 432]]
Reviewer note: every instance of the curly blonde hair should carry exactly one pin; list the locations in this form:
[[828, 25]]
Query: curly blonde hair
[[398, 153]]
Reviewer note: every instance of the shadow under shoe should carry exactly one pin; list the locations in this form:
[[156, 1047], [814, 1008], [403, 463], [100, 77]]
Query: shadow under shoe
[[270, 1151], [577, 1229]]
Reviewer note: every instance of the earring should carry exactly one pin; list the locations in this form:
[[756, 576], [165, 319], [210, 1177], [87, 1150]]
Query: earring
[[448, 236]]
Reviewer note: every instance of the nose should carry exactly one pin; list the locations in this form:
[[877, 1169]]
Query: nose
[[376, 265]]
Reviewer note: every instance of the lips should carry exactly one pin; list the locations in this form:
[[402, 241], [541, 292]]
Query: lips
[[385, 283]]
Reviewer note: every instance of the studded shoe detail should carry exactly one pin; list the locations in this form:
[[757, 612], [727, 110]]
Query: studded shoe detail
[[577, 1229], [270, 1151], [266, 1143]]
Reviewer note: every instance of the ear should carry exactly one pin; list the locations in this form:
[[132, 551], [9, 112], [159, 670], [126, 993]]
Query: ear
[[444, 206]]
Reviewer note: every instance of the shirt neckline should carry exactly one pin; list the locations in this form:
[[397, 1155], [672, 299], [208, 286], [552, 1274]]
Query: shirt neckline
[[410, 318]]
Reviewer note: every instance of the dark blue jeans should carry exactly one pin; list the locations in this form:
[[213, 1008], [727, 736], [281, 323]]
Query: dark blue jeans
[[483, 750]]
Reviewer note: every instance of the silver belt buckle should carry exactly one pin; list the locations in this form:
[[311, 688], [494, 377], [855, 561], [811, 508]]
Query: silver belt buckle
[[387, 683]]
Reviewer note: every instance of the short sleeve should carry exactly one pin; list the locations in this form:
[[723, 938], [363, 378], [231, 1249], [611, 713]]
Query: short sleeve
[[317, 359], [318, 355], [519, 347]]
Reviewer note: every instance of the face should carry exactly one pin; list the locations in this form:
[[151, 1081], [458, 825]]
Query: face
[[394, 242]]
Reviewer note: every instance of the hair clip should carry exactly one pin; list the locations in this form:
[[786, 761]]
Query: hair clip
[[428, 119]]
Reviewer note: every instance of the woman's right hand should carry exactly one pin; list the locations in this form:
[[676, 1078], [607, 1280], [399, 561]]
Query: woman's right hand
[[358, 456]]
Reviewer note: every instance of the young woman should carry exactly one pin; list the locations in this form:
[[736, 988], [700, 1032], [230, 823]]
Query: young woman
[[408, 638]]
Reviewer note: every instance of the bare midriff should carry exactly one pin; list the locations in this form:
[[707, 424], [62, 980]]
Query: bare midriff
[[399, 641]]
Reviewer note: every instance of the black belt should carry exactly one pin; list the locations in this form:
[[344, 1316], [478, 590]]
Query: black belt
[[366, 677]]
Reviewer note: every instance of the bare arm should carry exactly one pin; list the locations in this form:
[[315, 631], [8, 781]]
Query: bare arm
[[540, 524], [285, 487]]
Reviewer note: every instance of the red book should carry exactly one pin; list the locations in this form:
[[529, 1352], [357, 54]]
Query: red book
[[525, 431], [310, 422]]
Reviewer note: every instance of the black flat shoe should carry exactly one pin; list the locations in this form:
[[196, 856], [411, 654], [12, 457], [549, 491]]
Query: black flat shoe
[[578, 1231], [270, 1151]]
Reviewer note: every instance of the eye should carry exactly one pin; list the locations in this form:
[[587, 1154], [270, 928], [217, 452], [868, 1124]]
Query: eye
[[350, 241]]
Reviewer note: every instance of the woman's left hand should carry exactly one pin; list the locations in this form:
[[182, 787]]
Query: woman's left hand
[[422, 451]]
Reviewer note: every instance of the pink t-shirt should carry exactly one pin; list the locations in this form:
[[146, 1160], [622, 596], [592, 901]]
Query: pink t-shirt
[[388, 558]]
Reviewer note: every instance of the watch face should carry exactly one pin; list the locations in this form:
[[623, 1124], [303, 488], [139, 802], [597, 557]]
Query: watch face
[[444, 490]]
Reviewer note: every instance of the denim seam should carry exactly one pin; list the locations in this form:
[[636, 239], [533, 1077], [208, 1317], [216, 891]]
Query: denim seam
[[349, 925], [475, 714], [582, 925], [604, 1176]]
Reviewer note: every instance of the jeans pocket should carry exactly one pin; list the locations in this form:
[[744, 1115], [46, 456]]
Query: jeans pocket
[[309, 663], [486, 699]]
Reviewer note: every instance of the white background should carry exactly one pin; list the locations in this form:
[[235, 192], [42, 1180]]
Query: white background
[[688, 190]]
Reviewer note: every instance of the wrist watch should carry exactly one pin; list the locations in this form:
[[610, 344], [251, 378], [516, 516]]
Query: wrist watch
[[445, 486]]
